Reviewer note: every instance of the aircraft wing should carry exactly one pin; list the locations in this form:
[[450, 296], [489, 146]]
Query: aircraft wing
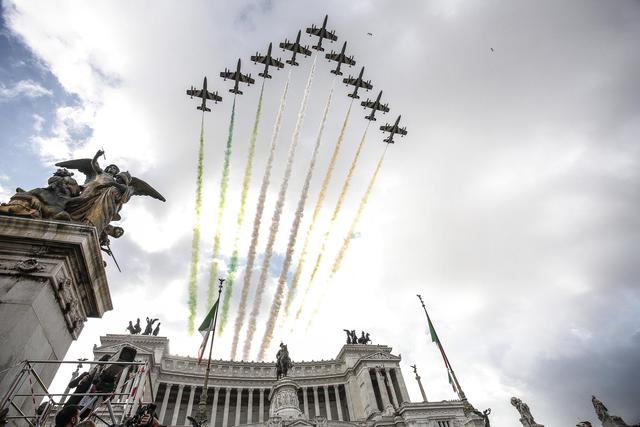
[[401, 131], [319, 32], [365, 85], [388, 128], [275, 63], [228, 75], [382, 107], [303, 50], [245, 79], [194, 92], [338, 57], [213, 96], [261, 59], [350, 81], [288, 46]]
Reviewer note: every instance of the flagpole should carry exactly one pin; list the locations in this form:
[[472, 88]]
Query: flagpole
[[202, 405], [444, 357]]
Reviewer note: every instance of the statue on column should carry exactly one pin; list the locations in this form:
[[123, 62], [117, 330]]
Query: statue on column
[[525, 413], [603, 415], [283, 362]]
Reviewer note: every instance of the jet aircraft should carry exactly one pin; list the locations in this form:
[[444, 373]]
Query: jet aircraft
[[358, 83], [393, 129], [375, 106], [268, 61], [238, 77], [340, 58], [322, 33], [204, 94], [296, 48]]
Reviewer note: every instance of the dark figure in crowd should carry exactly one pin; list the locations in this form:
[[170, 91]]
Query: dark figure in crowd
[[68, 416]]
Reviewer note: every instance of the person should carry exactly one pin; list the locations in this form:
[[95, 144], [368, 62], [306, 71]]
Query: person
[[81, 383], [86, 423], [68, 417]]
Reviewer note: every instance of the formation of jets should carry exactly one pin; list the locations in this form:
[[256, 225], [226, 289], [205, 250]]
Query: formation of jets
[[296, 48]]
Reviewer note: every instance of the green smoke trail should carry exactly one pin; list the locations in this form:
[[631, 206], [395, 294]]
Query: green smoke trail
[[224, 183], [336, 211], [248, 169], [195, 241], [345, 244], [316, 211]]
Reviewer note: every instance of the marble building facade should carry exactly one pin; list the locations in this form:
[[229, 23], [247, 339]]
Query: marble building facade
[[362, 385]]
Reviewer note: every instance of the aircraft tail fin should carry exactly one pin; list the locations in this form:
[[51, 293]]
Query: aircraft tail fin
[[371, 118], [291, 62], [336, 72], [354, 96], [316, 47], [236, 91], [265, 75], [199, 107]]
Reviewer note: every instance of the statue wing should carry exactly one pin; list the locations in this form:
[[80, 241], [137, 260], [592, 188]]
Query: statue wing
[[82, 165], [141, 188]]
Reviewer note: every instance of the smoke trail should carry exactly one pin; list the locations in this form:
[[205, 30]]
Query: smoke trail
[[277, 298], [195, 241], [275, 221], [224, 183], [248, 169], [345, 244], [251, 256], [316, 212], [336, 210]]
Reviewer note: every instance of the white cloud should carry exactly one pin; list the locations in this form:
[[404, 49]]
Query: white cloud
[[24, 88]]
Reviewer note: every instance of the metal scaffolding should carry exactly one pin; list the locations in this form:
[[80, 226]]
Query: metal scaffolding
[[104, 408]]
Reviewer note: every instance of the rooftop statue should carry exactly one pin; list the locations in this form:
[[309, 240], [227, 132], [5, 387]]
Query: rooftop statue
[[525, 413], [97, 202]]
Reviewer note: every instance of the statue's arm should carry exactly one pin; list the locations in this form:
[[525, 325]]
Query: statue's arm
[[94, 162]]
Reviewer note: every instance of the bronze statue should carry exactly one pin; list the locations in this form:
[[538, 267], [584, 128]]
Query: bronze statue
[[156, 331], [364, 338], [348, 336], [104, 192], [283, 362], [137, 327], [149, 328], [485, 416], [44, 203], [131, 329], [354, 337]]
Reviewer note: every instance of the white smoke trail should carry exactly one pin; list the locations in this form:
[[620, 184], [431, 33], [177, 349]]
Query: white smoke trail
[[277, 298], [275, 221], [251, 256], [316, 212]]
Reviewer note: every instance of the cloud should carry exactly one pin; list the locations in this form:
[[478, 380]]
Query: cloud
[[511, 206], [24, 88]]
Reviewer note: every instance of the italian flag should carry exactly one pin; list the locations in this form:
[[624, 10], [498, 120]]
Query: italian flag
[[435, 339], [206, 328]]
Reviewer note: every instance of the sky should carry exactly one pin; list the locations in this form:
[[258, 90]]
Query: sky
[[511, 205]]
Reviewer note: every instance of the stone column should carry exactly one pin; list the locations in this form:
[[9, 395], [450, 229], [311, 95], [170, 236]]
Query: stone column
[[404, 394], [225, 414], [165, 400], [238, 407], [305, 400], [261, 406], [316, 404], [214, 407], [382, 389], [176, 409], [190, 404], [327, 402], [250, 407], [394, 398], [336, 389], [371, 402], [52, 279]]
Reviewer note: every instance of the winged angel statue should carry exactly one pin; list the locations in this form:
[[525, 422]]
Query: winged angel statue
[[97, 202]]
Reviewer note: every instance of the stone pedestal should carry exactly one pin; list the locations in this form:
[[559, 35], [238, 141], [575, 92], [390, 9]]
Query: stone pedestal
[[473, 420], [284, 401], [52, 278]]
